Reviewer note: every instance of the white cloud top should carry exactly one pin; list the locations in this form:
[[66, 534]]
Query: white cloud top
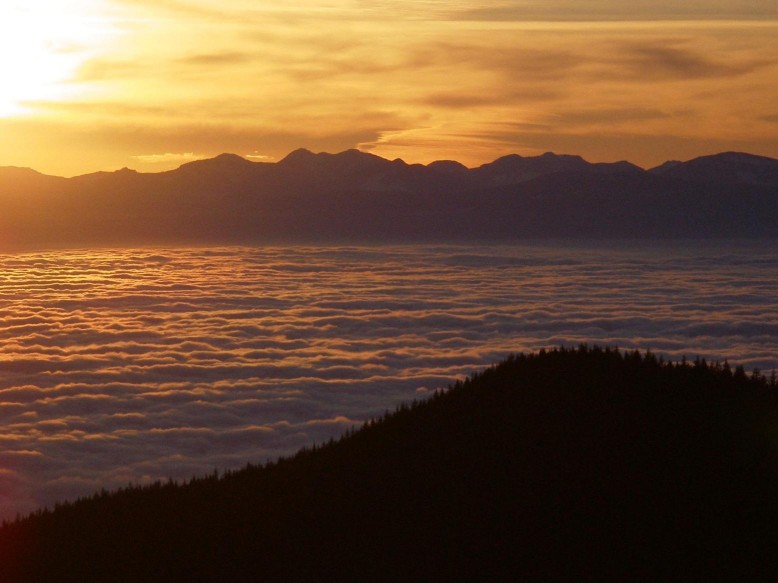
[[135, 365]]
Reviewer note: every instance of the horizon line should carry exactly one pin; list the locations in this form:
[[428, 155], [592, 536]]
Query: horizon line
[[191, 158]]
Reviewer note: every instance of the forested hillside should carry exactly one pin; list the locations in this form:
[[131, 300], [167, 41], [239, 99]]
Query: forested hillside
[[585, 464]]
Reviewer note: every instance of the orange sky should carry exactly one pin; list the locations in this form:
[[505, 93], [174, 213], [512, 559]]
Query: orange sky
[[102, 84]]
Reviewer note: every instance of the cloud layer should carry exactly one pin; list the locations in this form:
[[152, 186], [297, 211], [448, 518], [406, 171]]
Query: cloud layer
[[119, 366]]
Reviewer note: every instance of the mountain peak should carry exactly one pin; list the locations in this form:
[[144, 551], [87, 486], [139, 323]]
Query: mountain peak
[[229, 161], [348, 160], [506, 159], [447, 166], [19, 170], [221, 163], [620, 167], [15, 178], [227, 157], [724, 167], [297, 156], [515, 169], [357, 155], [733, 156], [555, 156]]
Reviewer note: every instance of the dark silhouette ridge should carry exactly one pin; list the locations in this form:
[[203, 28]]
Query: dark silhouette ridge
[[297, 156], [448, 167], [355, 196], [16, 180], [727, 167], [515, 169], [586, 464]]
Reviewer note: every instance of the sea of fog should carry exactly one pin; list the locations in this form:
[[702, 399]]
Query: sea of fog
[[131, 365]]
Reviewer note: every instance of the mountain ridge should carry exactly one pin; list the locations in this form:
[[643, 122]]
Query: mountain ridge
[[358, 196], [300, 154]]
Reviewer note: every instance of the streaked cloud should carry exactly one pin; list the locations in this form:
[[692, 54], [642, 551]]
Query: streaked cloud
[[220, 59], [257, 157], [422, 81], [676, 59], [611, 10], [169, 157]]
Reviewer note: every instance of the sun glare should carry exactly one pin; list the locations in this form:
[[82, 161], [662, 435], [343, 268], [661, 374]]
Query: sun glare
[[42, 43]]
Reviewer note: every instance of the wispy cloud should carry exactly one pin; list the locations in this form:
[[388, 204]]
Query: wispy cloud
[[259, 157], [674, 59], [196, 76], [218, 59], [610, 10], [169, 157]]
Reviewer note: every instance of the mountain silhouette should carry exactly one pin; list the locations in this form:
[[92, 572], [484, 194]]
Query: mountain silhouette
[[357, 196], [729, 167], [583, 464]]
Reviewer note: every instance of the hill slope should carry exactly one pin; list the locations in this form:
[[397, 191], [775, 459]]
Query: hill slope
[[580, 464]]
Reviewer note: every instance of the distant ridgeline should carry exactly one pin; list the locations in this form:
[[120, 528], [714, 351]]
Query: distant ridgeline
[[585, 464], [354, 196]]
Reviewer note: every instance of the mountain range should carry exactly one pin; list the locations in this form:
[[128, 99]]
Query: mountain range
[[355, 196]]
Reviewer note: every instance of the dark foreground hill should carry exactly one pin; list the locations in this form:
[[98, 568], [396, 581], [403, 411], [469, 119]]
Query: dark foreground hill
[[571, 465], [355, 196]]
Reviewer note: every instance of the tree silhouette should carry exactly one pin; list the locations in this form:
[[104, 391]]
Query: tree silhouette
[[568, 464]]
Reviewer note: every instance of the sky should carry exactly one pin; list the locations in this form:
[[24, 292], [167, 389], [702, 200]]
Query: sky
[[94, 85]]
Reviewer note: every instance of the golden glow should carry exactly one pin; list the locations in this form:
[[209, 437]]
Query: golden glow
[[43, 42], [103, 84]]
